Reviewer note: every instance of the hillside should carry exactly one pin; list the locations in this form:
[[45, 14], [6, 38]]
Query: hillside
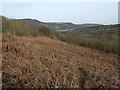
[[42, 62], [62, 25], [104, 38], [33, 23], [89, 25], [23, 29]]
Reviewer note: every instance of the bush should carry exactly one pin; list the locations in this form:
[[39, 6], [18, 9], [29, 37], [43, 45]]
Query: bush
[[45, 30], [103, 43]]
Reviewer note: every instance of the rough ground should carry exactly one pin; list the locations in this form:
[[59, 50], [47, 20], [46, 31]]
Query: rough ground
[[43, 62]]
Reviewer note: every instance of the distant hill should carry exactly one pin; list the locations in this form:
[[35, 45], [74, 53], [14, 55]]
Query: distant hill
[[103, 29], [53, 26], [31, 22], [89, 25], [62, 25]]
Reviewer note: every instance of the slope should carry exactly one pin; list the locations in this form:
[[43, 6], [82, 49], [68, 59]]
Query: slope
[[42, 62]]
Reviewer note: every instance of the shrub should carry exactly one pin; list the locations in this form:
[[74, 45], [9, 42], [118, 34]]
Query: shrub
[[45, 30]]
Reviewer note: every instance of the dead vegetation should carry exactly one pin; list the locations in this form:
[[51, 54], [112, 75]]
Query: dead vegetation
[[45, 63]]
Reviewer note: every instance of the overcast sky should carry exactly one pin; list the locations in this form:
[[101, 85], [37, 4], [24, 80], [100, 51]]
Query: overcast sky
[[76, 12]]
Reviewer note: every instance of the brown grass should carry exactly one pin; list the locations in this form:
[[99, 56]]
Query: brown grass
[[45, 63]]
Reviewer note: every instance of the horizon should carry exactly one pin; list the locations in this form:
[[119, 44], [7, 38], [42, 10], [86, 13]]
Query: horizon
[[75, 12], [58, 21]]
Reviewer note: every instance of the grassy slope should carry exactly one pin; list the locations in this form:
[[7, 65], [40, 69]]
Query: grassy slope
[[43, 62]]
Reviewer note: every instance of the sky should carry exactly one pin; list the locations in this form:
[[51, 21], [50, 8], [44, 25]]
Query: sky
[[69, 11]]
